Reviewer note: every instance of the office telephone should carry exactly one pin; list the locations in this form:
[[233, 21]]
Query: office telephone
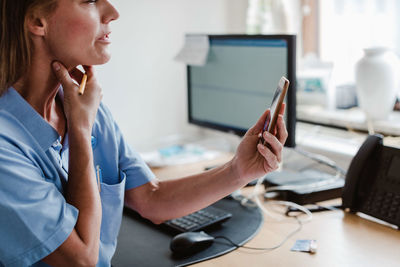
[[372, 183]]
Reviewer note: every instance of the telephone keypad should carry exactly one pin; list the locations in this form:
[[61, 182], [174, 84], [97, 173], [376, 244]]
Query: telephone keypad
[[373, 181], [383, 205]]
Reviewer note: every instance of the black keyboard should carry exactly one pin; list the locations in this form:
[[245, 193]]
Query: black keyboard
[[199, 219]]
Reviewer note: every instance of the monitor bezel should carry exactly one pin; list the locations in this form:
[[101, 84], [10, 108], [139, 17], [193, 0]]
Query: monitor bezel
[[291, 94]]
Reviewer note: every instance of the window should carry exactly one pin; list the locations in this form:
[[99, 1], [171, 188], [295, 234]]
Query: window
[[346, 27]]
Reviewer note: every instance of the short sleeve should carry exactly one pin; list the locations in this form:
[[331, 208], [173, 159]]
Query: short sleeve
[[35, 218], [131, 163]]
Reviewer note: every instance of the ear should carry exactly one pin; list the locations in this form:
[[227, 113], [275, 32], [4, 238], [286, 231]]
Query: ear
[[36, 24]]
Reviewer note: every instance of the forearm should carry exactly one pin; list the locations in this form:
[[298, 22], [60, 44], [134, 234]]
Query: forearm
[[82, 189], [179, 197], [159, 201]]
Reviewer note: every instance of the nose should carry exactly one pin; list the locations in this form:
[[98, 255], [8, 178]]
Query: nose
[[110, 14]]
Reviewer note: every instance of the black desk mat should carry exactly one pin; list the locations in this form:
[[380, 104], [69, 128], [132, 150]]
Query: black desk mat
[[141, 243]]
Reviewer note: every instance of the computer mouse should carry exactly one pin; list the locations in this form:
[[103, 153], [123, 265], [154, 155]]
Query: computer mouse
[[190, 242]]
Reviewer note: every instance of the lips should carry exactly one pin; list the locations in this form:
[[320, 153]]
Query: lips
[[105, 38]]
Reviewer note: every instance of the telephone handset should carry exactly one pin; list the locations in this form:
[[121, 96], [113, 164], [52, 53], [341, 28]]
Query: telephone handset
[[372, 183]]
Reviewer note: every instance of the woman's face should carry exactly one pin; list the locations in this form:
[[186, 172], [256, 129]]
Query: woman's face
[[78, 32]]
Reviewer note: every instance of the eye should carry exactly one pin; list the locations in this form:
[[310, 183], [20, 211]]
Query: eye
[[91, 1]]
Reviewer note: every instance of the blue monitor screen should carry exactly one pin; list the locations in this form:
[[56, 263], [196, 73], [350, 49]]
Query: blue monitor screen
[[238, 81]]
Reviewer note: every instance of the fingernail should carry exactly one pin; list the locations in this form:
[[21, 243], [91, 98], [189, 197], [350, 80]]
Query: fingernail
[[56, 66]]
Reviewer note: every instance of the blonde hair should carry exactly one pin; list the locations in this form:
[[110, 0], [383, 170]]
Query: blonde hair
[[15, 44]]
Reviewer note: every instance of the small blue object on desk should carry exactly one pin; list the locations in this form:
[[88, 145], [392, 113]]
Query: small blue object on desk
[[305, 245], [171, 150]]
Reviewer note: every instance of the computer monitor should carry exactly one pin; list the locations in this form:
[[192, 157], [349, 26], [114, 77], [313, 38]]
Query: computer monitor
[[238, 81]]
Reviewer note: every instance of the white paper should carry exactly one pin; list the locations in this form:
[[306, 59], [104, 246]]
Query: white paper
[[194, 51]]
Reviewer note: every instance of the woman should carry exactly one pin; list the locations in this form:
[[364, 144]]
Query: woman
[[53, 141]]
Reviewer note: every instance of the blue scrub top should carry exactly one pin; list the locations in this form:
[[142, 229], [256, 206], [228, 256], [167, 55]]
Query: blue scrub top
[[35, 219]]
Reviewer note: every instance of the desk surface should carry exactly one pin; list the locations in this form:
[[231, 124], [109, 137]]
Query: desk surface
[[343, 239]]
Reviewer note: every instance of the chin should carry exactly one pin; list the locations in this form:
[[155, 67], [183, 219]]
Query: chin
[[104, 60], [93, 60], [98, 61]]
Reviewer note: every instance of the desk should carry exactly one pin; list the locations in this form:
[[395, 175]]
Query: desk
[[343, 239]]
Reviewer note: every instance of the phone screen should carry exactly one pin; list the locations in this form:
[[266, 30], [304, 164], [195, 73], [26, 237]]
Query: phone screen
[[276, 104], [273, 107]]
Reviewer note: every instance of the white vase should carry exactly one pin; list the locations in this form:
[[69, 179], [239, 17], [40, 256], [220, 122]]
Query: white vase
[[377, 81]]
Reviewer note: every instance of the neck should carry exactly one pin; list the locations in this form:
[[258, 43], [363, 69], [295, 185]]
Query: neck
[[39, 85], [39, 88]]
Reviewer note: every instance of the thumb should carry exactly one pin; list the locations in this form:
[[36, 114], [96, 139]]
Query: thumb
[[62, 74], [257, 128]]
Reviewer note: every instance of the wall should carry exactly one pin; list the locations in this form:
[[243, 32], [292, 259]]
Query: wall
[[143, 86]]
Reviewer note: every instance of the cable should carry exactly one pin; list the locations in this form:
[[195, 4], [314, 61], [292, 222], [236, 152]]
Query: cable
[[246, 201], [271, 248]]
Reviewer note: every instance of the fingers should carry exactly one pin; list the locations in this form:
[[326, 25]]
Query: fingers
[[257, 128], [62, 75], [283, 107], [274, 145], [271, 158], [282, 133], [77, 75], [89, 70], [280, 114], [272, 151], [73, 78]]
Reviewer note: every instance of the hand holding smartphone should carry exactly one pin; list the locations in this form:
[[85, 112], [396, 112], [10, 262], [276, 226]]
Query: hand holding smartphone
[[276, 105]]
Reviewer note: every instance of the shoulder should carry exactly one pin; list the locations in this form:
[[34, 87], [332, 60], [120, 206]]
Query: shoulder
[[16, 142], [105, 122], [11, 130], [104, 112], [104, 115], [7, 121]]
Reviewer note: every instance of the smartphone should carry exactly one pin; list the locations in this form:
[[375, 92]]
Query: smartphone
[[275, 107]]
